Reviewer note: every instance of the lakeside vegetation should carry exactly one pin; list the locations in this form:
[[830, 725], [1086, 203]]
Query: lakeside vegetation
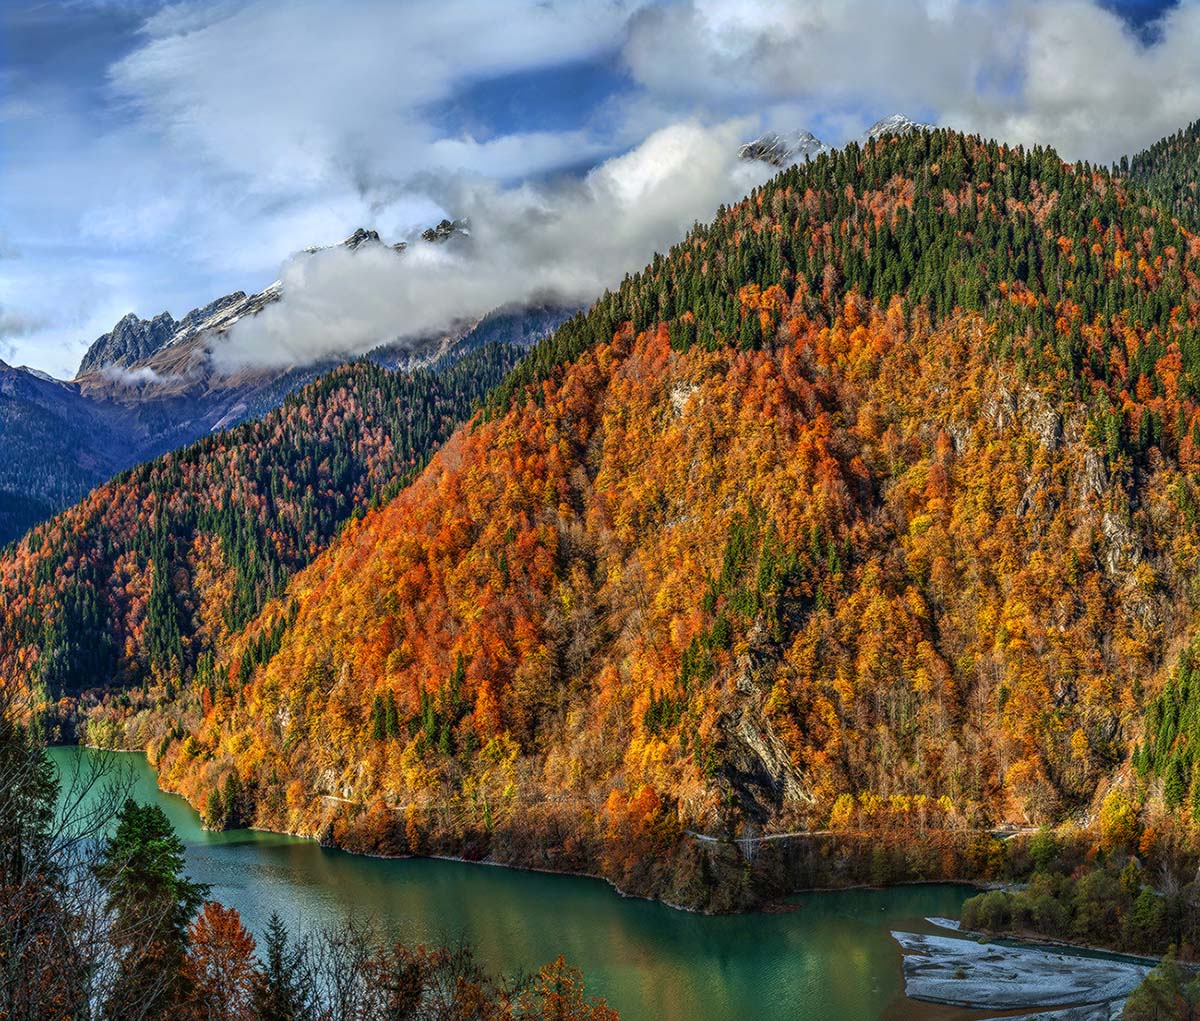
[[99, 922]]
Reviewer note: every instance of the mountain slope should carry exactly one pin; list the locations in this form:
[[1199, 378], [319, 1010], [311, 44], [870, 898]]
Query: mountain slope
[[56, 446], [140, 584], [867, 510], [150, 386], [1170, 172]]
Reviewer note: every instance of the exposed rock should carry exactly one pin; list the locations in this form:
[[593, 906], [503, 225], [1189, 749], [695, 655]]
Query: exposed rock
[[1029, 498], [134, 340], [757, 764], [681, 393], [1040, 418], [1000, 409], [360, 237], [960, 435], [131, 340], [782, 149], [1123, 550], [446, 230], [326, 781], [896, 124], [1095, 475]]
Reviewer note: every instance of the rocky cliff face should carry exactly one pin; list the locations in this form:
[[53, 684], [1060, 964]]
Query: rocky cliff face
[[133, 340]]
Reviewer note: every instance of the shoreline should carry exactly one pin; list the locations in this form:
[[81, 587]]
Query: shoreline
[[790, 902], [778, 905]]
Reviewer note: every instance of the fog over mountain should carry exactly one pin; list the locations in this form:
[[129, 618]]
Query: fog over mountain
[[564, 241]]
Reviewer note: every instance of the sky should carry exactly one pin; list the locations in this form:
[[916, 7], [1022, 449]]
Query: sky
[[154, 156]]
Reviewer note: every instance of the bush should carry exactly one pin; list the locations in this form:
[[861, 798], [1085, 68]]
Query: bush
[[1048, 916], [1044, 849], [988, 912]]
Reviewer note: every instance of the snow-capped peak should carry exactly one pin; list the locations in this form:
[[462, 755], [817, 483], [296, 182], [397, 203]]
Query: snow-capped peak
[[784, 149], [896, 124]]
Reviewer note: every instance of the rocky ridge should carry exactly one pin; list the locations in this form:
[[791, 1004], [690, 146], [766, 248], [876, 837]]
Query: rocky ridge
[[786, 148]]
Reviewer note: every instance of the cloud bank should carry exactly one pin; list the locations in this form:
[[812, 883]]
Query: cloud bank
[[1069, 73], [566, 242]]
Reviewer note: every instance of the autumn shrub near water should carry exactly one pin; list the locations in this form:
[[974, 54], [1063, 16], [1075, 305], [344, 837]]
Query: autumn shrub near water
[[1087, 889]]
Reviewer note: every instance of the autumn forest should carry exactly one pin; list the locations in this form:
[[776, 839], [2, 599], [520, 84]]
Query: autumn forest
[[869, 513]]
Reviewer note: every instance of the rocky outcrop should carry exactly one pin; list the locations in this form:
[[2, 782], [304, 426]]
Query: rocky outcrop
[[896, 124], [134, 340], [757, 768], [131, 340], [446, 230], [782, 149]]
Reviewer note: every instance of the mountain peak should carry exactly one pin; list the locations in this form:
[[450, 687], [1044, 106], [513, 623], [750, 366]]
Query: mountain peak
[[783, 149], [362, 236], [131, 340], [445, 230], [895, 124]]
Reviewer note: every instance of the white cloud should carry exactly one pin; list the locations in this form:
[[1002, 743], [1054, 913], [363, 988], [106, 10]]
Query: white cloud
[[301, 93], [132, 378], [14, 324], [1091, 88], [835, 52], [568, 240], [235, 132], [1068, 73]]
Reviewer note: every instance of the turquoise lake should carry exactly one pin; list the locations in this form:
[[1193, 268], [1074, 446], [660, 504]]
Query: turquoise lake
[[829, 958]]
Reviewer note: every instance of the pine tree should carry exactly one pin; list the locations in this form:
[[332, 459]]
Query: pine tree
[[141, 869], [279, 995]]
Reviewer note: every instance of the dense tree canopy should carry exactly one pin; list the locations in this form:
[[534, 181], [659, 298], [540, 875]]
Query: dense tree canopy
[[866, 507], [1169, 171], [143, 581]]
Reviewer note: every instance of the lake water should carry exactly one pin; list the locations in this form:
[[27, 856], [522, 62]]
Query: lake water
[[831, 958]]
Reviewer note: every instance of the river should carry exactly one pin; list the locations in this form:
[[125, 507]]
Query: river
[[830, 958]]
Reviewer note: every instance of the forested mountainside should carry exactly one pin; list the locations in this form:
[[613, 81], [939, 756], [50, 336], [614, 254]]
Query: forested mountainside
[[1170, 171], [868, 510], [142, 583]]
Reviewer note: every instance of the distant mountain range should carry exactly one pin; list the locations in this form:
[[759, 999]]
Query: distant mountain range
[[151, 385]]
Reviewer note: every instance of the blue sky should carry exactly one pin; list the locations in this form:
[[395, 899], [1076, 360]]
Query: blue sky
[[155, 156]]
